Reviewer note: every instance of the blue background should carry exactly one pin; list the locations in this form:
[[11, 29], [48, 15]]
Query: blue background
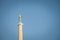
[[41, 19]]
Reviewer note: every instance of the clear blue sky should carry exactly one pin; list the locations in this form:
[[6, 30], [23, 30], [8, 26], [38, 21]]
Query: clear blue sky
[[40, 19]]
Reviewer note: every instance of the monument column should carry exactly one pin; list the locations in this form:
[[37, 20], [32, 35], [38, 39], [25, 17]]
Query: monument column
[[20, 34]]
